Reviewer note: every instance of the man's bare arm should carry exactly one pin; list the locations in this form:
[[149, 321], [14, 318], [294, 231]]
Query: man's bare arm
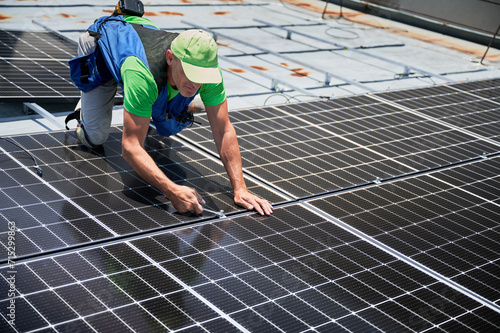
[[135, 129], [229, 151]]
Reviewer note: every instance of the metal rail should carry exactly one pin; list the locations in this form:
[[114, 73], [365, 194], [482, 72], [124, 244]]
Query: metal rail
[[328, 75], [45, 114], [290, 31]]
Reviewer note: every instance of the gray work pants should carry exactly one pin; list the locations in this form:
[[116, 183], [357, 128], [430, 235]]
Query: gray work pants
[[97, 104]]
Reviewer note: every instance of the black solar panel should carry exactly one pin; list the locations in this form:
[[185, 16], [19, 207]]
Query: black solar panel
[[312, 148], [298, 157], [88, 195], [473, 106], [480, 87], [34, 65], [386, 218], [35, 45], [448, 221], [294, 271], [416, 143]]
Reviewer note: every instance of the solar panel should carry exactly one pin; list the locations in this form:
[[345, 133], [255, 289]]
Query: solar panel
[[86, 195], [316, 147], [34, 65], [386, 219], [448, 221], [416, 143], [293, 271], [35, 45], [473, 106]]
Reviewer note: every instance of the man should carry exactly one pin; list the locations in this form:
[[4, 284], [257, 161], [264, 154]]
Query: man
[[160, 74]]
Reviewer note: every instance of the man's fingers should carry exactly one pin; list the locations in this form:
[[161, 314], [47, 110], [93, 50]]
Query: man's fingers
[[186, 199], [200, 199], [265, 207], [262, 206], [258, 208], [268, 208], [197, 208]]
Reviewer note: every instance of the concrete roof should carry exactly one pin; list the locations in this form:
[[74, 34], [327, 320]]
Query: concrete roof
[[261, 66]]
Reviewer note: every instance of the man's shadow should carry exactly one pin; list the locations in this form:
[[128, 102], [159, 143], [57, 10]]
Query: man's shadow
[[165, 153]]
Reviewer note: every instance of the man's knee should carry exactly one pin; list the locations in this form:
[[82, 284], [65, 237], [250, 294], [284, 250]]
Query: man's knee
[[92, 137], [97, 136]]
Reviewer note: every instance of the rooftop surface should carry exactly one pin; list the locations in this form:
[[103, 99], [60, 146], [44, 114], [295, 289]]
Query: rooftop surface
[[274, 52]]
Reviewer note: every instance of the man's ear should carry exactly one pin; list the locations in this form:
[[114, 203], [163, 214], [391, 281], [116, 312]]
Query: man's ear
[[170, 57]]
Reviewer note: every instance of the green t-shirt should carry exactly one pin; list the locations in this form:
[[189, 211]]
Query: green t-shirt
[[140, 90], [138, 20]]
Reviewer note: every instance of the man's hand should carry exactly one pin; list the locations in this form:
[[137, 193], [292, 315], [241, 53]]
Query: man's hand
[[135, 129], [186, 199], [229, 151], [249, 201]]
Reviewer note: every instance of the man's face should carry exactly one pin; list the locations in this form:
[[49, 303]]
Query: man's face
[[178, 79]]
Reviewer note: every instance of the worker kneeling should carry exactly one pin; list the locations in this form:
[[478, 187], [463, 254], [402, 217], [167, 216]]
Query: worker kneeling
[[160, 73]]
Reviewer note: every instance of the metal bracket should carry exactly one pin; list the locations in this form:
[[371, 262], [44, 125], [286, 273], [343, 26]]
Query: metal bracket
[[44, 113], [277, 54], [220, 213], [274, 84]]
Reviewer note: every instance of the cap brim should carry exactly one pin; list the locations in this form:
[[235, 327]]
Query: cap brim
[[202, 74]]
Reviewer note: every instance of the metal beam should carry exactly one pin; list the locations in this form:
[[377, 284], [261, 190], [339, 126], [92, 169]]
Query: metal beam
[[328, 75], [45, 114], [290, 31]]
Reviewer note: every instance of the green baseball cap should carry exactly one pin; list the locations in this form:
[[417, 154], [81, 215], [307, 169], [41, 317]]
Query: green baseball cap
[[197, 51]]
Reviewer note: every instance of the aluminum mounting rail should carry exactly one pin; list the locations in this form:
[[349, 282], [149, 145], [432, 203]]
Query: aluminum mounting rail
[[290, 31], [45, 114], [328, 75]]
